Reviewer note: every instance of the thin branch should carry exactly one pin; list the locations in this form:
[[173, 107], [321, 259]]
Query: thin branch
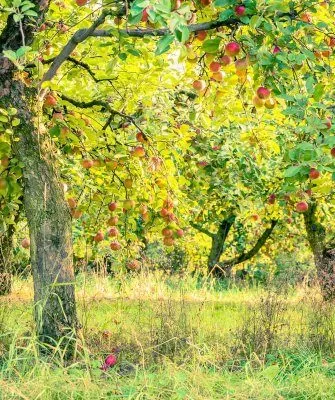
[[202, 229]]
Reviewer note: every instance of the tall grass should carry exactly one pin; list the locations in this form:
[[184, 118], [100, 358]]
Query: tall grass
[[181, 337]]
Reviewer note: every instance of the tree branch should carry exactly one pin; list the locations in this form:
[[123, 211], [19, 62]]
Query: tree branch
[[252, 252], [201, 229], [80, 36], [102, 104]]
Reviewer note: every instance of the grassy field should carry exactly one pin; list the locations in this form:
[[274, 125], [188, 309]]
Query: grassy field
[[179, 339]]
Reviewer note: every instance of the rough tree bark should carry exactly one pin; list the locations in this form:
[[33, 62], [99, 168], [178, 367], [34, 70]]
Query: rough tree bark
[[324, 255], [6, 244], [223, 268], [48, 215]]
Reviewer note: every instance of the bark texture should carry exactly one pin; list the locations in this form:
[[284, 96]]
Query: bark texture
[[49, 219], [324, 255], [6, 244]]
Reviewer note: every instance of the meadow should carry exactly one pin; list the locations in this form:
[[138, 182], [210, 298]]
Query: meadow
[[180, 337]]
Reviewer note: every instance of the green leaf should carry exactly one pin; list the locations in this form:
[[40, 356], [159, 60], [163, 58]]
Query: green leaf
[[22, 51], [163, 44], [182, 33], [55, 131], [224, 3], [292, 171], [225, 15], [318, 91], [255, 21], [31, 13], [17, 17], [27, 7], [16, 122], [211, 45]]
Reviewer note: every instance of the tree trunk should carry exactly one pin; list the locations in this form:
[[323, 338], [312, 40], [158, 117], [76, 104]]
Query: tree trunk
[[324, 258], [218, 241], [48, 217], [6, 244]]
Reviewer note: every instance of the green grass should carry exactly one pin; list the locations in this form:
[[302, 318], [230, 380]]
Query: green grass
[[179, 340]]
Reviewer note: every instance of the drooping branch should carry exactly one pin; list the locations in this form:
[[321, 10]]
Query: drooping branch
[[80, 36], [254, 250], [202, 229]]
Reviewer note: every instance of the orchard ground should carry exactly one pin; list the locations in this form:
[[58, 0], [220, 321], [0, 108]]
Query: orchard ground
[[180, 337]]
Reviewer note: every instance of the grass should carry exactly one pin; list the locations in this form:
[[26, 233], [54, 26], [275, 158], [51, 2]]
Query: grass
[[179, 339]]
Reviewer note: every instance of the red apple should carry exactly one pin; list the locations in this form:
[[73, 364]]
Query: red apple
[[240, 10], [306, 17], [145, 15], [76, 214], [58, 116], [115, 245], [332, 152], [25, 243], [201, 35], [331, 42], [301, 207], [50, 100], [272, 198], [138, 151], [164, 212], [168, 203], [167, 232], [113, 232], [98, 237], [214, 66], [72, 202], [87, 163], [225, 60], [232, 49], [314, 173], [179, 232], [140, 137], [168, 241], [113, 220], [328, 123], [202, 164], [133, 265], [276, 50], [199, 85], [263, 93], [112, 206], [218, 76]]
